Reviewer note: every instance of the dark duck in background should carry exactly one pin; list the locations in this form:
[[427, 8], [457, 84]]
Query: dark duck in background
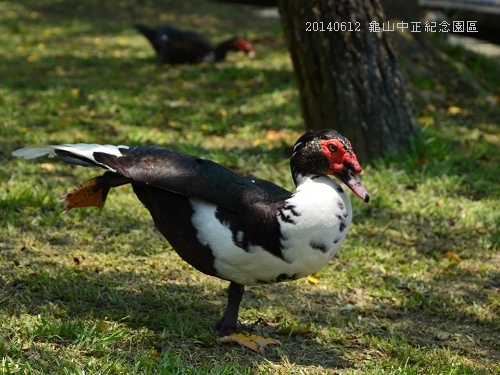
[[174, 46], [246, 231]]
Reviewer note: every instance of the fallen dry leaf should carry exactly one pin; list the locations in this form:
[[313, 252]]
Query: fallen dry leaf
[[426, 120], [453, 110], [102, 326], [154, 353], [419, 162], [451, 255], [313, 280], [272, 135], [49, 167], [249, 340]]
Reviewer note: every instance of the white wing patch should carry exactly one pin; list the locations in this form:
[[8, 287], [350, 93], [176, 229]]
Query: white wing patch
[[83, 150], [209, 57], [34, 152]]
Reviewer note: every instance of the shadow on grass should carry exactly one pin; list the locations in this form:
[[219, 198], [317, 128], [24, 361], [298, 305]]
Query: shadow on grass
[[200, 14], [178, 313], [434, 322], [105, 16], [453, 167], [82, 88], [111, 100]]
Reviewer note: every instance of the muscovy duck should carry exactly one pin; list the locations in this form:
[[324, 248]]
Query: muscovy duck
[[174, 46], [247, 231]]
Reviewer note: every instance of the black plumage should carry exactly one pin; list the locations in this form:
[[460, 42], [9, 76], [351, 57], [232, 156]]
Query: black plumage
[[175, 46]]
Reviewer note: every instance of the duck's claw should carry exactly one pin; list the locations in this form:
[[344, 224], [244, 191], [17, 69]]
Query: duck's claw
[[251, 341]]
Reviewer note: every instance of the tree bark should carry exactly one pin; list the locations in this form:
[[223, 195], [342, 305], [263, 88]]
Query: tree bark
[[349, 79]]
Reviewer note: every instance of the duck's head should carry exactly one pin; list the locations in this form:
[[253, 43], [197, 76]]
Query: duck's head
[[326, 152]]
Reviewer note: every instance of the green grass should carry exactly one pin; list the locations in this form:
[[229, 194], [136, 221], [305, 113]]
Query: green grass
[[414, 289]]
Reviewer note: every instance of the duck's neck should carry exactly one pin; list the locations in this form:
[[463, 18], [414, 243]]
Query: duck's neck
[[318, 205], [320, 189], [301, 179], [306, 162], [222, 49]]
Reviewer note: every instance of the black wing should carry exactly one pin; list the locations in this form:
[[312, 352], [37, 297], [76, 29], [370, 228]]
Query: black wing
[[191, 176], [180, 46]]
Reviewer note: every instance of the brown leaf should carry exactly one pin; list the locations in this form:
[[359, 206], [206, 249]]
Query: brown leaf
[[440, 202], [420, 162], [49, 167], [426, 120], [313, 280], [272, 135], [453, 256], [453, 110], [102, 326]]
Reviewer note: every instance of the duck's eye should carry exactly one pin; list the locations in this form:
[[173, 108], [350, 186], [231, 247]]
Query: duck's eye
[[332, 147]]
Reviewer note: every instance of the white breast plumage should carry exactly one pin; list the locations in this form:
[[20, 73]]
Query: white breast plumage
[[313, 223], [318, 217]]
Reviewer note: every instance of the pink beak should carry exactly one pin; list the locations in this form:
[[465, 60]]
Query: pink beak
[[351, 179]]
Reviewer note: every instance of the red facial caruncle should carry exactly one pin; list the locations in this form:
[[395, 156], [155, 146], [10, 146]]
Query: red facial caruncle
[[340, 155], [243, 45], [344, 165]]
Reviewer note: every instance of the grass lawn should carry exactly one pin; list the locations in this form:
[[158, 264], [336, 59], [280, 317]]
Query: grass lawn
[[414, 290]]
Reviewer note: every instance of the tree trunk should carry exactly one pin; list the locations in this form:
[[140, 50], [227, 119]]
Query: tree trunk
[[348, 77]]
